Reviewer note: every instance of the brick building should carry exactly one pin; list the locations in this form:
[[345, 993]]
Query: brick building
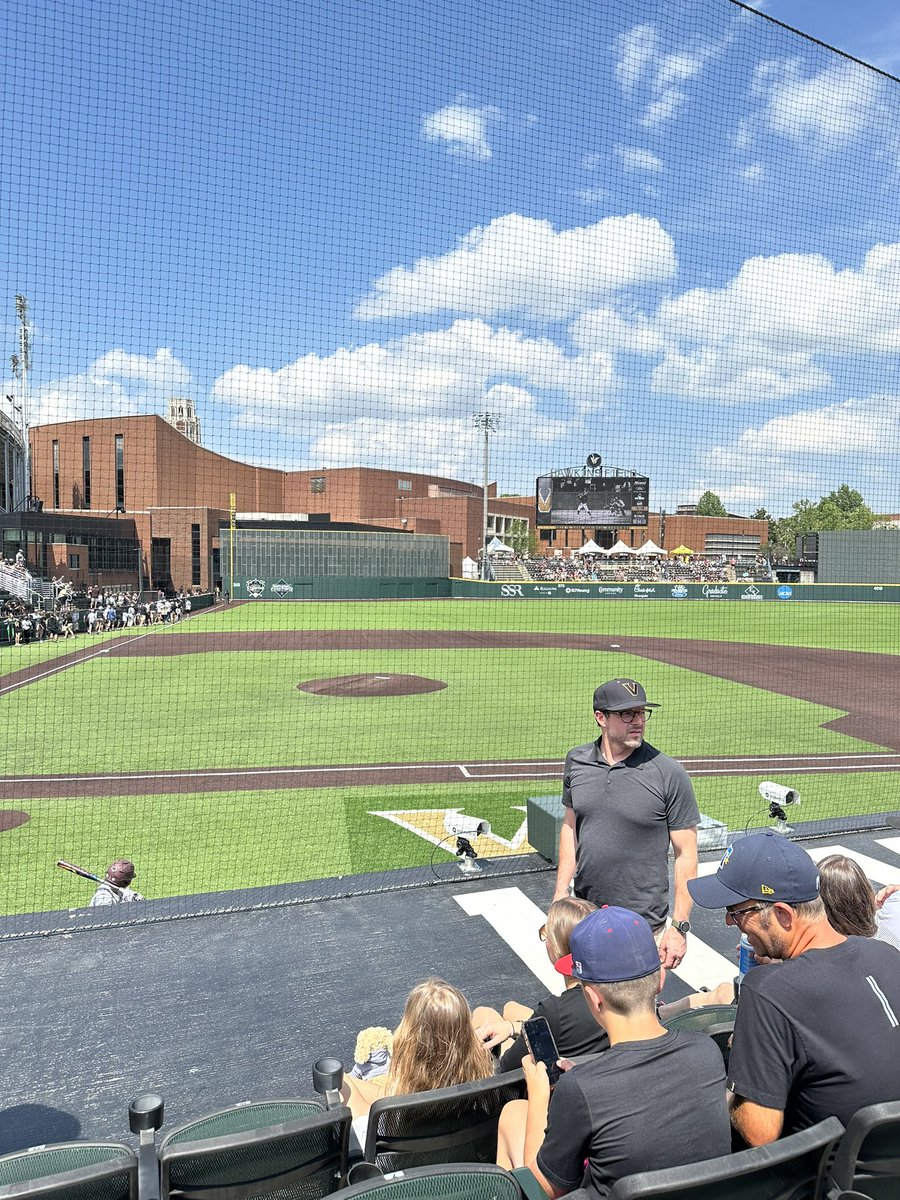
[[176, 493]]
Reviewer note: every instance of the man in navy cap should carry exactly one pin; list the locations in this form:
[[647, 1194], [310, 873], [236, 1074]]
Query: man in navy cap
[[626, 802], [654, 1099], [818, 1033]]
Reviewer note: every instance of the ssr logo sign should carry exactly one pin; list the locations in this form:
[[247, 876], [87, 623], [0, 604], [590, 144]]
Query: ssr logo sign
[[511, 589], [255, 588]]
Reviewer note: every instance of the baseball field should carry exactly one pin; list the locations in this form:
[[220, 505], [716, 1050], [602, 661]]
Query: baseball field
[[267, 743]]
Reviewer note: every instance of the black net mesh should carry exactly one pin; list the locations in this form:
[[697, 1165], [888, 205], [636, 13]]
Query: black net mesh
[[380, 380]]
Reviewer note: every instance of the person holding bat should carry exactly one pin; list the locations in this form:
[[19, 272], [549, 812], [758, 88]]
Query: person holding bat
[[115, 887]]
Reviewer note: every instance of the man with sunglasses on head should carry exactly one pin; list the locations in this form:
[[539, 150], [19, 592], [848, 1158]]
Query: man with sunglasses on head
[[626, 802], [817, 1032]]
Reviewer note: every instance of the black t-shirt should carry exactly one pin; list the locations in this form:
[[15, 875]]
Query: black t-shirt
[[819, 1035], [641, 1106], [574, 1029]]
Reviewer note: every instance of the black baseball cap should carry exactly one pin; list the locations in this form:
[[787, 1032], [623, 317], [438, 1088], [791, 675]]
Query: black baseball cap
[[760, 866], [619, 695]]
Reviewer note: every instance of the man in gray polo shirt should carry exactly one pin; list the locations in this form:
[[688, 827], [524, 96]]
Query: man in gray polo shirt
[[626, 802]]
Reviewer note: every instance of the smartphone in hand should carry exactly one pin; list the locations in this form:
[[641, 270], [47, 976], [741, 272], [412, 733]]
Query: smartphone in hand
[[541, 1045]]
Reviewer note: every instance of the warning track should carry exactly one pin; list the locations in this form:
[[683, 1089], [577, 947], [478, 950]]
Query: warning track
[[865, 687]]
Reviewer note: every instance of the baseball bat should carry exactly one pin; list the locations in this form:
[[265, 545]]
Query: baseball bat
[[67, 866]]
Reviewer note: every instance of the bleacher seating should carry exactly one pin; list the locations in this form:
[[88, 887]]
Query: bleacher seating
[[717, 1020], [461, 1182], [455, 1124], [283, 1148], [867, 1162], [71, 1171], [792, 1168]]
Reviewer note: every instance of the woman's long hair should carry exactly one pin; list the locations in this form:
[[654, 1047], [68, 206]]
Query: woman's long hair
[[435, 1044], [562, 917], [847, 895]]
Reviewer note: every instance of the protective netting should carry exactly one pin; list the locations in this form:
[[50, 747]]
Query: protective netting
[[287, 284]]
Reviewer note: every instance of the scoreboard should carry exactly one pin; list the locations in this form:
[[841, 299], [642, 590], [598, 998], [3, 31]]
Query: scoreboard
[[598, 500]]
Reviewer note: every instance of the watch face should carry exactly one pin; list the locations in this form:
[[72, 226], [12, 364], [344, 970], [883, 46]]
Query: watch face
[[682, 926]]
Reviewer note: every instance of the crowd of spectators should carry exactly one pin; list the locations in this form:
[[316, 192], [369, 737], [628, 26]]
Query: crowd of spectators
[[92, 612], [599, 1125], [637, 569]]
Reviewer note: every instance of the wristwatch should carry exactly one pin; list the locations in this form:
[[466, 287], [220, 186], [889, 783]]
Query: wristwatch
[[683, 927]]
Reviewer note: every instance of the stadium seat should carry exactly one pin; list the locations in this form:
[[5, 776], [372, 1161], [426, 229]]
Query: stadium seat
[[463, 1181], [447, 1125], [792, 1168], [867, 1161], [715, 1019], [283, 1148], [71, 1171]]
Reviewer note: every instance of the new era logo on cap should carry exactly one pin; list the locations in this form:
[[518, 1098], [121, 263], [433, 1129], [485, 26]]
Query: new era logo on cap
[[764, 866]]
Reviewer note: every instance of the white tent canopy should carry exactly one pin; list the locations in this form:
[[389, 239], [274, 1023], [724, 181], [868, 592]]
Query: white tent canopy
[[495, 546], [590, 547], [620, 548], [650, 549]]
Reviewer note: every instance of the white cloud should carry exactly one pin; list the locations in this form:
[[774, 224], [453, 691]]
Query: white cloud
[[591, 162], [868, 426], [634, 158], [810, 452], [753, 173], [463, 127], [443, 375], [522, 265], [446, 446], [115, 384], [642, 62], [764, 335], [638, 50], [608, 331], [591, 197], [829, 108]]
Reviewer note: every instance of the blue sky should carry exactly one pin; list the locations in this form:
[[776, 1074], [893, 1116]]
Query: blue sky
[[665, 231]]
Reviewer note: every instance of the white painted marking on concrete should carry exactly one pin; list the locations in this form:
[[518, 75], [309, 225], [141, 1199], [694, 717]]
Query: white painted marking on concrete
[[703, 966], [891, 843], [466, 774], [874, 868], [516, 920]]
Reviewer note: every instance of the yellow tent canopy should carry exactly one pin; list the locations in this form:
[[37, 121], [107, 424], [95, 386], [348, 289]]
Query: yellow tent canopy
[[684, 551]]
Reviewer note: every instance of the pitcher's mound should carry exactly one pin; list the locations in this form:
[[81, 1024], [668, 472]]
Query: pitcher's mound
[[11, 818], [371, 685]]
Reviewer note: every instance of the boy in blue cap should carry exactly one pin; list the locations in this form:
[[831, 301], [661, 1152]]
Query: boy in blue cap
[[817, 1033], [655, 1099]]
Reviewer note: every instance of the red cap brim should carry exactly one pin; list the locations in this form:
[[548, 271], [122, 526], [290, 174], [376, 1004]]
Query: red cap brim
[[564, 966]]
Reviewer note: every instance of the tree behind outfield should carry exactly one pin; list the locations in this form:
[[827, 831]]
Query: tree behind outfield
[[843, 508], [709, 505]]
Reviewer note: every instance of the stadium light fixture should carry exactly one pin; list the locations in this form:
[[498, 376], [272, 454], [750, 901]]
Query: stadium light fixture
[[488, 423]]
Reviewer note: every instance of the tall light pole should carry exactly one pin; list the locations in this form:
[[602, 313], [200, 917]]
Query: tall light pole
[[21, 364], [488, 423]]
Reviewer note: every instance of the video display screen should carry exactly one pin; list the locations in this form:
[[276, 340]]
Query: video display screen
[[600, 500]]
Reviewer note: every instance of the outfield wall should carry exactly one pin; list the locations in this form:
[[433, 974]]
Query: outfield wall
[[876, 593], [340, 587]]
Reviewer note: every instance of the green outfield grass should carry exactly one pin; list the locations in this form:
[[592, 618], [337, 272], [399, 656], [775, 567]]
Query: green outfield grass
[[225, 840], [244, 709], [865, 627]]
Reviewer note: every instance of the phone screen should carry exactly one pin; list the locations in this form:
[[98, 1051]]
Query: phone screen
[[543, 1049]]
